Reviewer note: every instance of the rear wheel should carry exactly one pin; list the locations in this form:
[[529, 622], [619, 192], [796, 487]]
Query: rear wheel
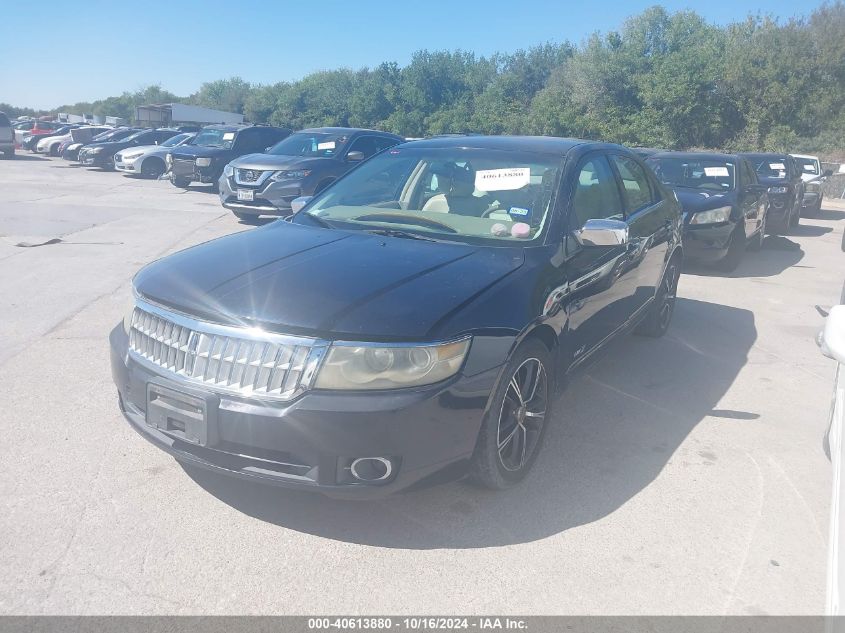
[[513, 428], [660, 314], [795, 217], [152, 167]]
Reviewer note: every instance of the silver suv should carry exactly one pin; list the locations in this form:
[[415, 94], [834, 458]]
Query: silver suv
[[301, 165], [7, 137]]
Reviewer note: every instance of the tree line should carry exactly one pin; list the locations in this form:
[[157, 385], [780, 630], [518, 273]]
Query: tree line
[[669, 80]]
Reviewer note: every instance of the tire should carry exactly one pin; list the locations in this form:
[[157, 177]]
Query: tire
[[819, 205], [756, 243], [736, 250], [152, 167], [182, 183], [54, 150], [660, 314], [843, 241], [247, 218], [795, 218], [513, 428], [8, 154]]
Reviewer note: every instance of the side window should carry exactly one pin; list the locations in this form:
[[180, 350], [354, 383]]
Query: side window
[[748, 174], [596, 193], [267, 137], [364, 144], [635, 184], [384, 142], [249, 142]]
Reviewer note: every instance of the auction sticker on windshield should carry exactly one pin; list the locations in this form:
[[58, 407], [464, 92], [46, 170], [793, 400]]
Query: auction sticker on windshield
[[777, 166], [716, 171], [228, 136], [502, 179], [326, 145]]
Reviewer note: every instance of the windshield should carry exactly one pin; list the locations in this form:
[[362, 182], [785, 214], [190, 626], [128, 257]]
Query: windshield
[[694, 173], [808, 166], [457, 194], [112, 135], [173, 141], [211, 137], [136, 135], [770, 166], [312, 144]]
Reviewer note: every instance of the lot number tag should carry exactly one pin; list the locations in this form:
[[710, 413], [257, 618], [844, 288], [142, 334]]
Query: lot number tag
[[502, 179], [715, 172]]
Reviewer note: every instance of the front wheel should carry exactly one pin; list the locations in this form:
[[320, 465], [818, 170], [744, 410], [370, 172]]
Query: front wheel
[[513, 428], [736, 249], [152, 168], [660, 314], [795, 217], [756, 242], [182, 183]]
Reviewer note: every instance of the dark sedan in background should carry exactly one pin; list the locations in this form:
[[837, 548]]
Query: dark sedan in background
[[102, 154], [723, 202], [782, 175], [214, 147], [411, 323], [301, 165], [71, 152]]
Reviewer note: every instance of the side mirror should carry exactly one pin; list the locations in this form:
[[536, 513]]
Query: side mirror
[[355, 156], [268, 148], [602, 233], [297, 203], [827, 173], [831, 339]]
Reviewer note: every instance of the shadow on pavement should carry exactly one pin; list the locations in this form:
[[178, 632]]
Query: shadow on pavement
[[614, 429], [28, 157], [778, 254], [830, 214], [810, 230]]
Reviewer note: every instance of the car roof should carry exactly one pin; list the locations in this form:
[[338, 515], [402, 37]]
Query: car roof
[[344, 130], [764, 155], [804, 156], [537, 144], [699, 155]]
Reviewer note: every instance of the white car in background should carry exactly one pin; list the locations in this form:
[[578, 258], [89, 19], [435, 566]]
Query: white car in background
[[810, 169], [50, 144], [148, 160], [832, 343]]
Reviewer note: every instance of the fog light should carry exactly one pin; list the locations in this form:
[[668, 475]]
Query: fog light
[[369, 469]]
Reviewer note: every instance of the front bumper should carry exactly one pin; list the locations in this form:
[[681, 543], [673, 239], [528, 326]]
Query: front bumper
[[810, 199], [707, 242], [188, 170], [309, 443], [100, 159], [126, 166], [269, 198]]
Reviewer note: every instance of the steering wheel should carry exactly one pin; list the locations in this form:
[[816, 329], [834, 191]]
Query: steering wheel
[[403, 218]]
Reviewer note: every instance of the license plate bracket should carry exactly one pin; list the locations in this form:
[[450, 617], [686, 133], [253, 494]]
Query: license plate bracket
[[188, 416], [246, 195]]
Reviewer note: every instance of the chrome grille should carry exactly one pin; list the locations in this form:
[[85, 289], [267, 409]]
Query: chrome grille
[[248, 175], [225, 358]]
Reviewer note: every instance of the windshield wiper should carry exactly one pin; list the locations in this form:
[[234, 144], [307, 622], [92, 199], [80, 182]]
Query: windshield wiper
[[402, 234]]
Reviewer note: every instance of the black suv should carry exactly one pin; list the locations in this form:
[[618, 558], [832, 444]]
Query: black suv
[[416, 316], [781, 174], [301, 165], [205, 157]]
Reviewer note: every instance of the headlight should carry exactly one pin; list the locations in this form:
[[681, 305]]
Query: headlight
[[713, 216], [228, 170], [203, 162], [130, 309], [129, 156], [291, 174], [168, 160], [95, 150], [778, 189], [385, 367]]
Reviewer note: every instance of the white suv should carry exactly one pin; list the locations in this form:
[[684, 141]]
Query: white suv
[[811, 173], [7, 137]]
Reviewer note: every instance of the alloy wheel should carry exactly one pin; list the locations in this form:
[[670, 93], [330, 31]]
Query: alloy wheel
[[522, 415]]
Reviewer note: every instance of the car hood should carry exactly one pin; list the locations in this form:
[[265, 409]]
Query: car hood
[[270, 162], [143, 149], [195, 151], [810, 177], [695, 200], [331, 283]]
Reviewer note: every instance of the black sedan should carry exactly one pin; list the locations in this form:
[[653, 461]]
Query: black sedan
[[782, 176], [102, 154], [412, 322], [724, 204]]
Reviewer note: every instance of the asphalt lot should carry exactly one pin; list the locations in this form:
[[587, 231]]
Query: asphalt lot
[[683, 475]]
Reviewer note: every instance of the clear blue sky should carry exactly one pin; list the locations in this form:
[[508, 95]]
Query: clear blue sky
[[54, 53]]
